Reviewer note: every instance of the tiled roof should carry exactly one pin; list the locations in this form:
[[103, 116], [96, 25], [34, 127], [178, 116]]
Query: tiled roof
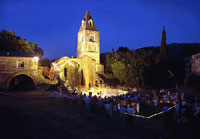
[[86, 25]]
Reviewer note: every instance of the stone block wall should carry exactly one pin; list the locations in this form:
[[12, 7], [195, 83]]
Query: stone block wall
[[78, 71], [88, 47], [100, 68], [196, 64], [13, 64], [11, 67]]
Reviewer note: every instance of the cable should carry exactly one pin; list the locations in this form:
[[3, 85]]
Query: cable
[[151, 116]]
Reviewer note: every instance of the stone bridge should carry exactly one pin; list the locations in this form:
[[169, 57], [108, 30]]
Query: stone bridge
[[14, 67]]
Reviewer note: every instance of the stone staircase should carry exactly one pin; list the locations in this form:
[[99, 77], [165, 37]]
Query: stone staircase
[[108, 81], [99, 79]]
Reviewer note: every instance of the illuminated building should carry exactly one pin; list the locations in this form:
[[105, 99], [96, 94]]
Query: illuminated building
[[83, 71]]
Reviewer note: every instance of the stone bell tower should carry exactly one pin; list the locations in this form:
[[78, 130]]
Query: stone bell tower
[[88, 39]]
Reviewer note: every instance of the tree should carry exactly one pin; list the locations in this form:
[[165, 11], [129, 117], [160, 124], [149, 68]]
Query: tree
[[131, 78], [122, 49], [12, 43], [118, 69], [163, 45], [144, 68], [108, 63], [38, 51], [189, 49]]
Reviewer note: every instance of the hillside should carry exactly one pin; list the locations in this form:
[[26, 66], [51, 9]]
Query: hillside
[[175, 50]]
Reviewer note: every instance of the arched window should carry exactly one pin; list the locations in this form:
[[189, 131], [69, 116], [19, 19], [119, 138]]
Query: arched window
[[90, 22], [65, 73], [91, 38]]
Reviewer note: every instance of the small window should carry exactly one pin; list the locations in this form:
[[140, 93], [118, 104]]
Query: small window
[[92, 38], [90, 22], [20, 65]]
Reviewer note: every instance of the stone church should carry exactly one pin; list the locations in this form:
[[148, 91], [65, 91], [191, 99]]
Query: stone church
[[18, 70], [83, 70]]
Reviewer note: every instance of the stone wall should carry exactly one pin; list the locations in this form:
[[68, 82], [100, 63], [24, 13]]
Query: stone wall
[[100, 68], [78, 71], [12, 63], [11, 67], [89, 70], [196, 64], [88, 47]]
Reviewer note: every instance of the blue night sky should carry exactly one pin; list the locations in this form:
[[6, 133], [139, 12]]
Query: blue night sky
[[54, 24]]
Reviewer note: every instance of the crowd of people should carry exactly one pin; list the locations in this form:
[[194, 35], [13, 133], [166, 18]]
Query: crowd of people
[[125, 107]]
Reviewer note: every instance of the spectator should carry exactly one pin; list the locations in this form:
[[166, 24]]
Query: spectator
[[88, 103], [165, 123], [122, 116], [138, 107], [115, 111]]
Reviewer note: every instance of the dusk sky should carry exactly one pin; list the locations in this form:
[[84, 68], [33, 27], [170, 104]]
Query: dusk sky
[[54, 24]]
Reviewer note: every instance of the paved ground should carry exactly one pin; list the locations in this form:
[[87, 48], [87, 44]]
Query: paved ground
[[35, 115]]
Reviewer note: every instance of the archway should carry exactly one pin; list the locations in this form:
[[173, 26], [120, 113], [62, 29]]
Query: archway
[[82, 78], [21, 83]]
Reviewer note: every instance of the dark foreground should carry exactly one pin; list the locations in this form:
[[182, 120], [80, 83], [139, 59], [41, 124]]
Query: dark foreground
[[38, 116]]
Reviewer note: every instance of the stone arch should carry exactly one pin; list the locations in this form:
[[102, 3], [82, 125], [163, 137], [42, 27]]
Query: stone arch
[[75, 71], [28, 76], [69, 70], [80, 70], [82, 78], [87, 64]]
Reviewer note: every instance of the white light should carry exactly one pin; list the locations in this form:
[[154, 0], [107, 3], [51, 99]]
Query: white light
[[55, 66], [36, 58]]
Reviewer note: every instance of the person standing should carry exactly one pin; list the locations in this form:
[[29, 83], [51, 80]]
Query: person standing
[[138, 107], [115, 111], [88, 103], [108, 108], [130, 111], [165, 121], [122, 114], [60, 88], [182, 96]]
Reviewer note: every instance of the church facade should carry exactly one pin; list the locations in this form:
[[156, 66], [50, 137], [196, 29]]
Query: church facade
[[84, 70]]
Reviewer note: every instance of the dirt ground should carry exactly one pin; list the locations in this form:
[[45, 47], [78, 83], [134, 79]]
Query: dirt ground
[[36, 115]]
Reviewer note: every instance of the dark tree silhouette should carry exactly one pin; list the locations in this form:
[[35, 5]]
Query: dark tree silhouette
[[122, 49], [11, 43], [163, 45]]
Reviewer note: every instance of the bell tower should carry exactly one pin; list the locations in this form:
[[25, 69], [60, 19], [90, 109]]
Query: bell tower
[[88, 39]]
